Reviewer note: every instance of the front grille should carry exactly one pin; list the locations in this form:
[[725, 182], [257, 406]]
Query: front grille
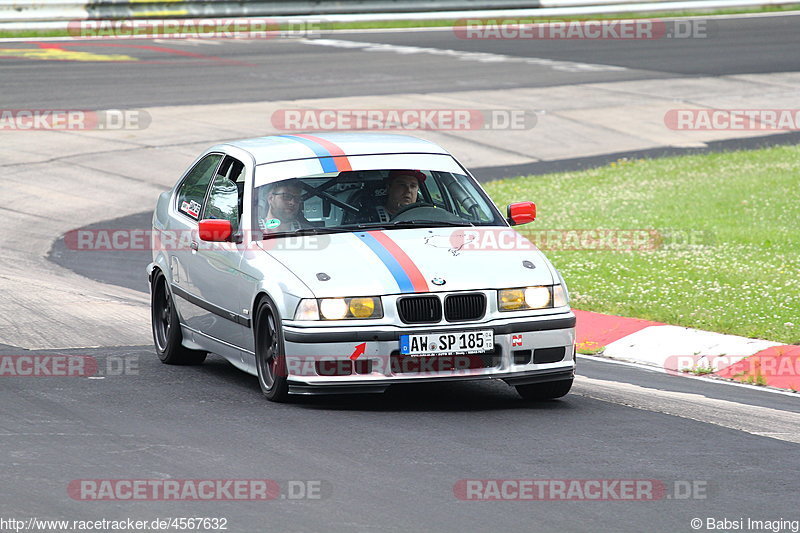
[[419, 309], [462, 307]]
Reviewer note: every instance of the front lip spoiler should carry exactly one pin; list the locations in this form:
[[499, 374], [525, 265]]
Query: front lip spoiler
[[519, 378], [373, 335]]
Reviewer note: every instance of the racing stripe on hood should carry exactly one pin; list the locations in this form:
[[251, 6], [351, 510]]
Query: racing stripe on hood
[[400, 266], [331, 157]]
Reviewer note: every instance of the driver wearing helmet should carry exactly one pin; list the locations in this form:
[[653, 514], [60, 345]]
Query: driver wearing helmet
[[402, 188]]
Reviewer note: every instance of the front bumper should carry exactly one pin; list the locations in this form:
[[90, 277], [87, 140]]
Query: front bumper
[[527, 350]]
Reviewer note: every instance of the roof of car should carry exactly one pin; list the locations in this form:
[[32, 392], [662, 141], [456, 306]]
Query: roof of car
[[302, 145]]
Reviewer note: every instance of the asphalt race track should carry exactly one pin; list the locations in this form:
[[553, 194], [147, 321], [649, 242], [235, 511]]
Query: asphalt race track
[[230, 71], [392, 462], [388, 462]]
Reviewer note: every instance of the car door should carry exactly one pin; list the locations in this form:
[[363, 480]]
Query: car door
[[216, 277], [189, 203]]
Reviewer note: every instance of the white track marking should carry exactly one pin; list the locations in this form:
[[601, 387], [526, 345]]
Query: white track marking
[[188, 41], [762, 421], [480, 57], [686, 375]]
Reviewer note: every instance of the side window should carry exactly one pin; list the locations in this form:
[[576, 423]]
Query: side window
[[434, 192], [468, 201], [439, 195], [429, 192], [192, 192], [227, 193]]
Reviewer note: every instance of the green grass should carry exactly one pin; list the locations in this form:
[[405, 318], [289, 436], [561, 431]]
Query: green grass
[[699, 370], [590, 348], [750, 379], [596, 16], [740, 271], [402, 24]]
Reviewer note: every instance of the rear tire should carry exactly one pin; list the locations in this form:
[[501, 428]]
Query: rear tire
[[544, 391], [270, 354], [167, 335]]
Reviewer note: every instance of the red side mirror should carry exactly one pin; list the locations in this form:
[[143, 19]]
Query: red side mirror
[[521, 213], [215, 230]]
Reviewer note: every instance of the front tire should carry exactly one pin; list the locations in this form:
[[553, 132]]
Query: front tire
[[270, 354], [544, 391], [167, 335]]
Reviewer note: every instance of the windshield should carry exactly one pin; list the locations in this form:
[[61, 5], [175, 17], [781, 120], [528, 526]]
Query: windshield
[[354, 200]]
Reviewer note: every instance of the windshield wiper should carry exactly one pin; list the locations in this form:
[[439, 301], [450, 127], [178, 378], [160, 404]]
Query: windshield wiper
[[423, 223], [349, 228], [305, 231]]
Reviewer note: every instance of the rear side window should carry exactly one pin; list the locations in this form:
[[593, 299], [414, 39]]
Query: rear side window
[[192, 192]]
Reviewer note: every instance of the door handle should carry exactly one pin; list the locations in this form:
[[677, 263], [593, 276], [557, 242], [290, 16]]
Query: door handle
[[194, 246]]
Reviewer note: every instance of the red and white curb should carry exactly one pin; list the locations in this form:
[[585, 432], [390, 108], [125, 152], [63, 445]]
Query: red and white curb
[[678, 349]]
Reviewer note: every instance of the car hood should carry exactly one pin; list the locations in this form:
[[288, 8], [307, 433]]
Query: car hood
[[396, 261]]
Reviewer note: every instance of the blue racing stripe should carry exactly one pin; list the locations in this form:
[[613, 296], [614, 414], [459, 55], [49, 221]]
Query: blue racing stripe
[[400, 276], [325, 157]]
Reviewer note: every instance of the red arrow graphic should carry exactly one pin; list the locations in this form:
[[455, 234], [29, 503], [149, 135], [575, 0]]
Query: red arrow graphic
[[360, 348]]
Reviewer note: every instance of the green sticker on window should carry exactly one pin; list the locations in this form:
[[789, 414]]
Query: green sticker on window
[[272, 223]]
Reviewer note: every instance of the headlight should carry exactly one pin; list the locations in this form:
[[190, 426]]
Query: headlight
[[333, 308], [339, 308], [538, 297], [560, 296], [307, 310]]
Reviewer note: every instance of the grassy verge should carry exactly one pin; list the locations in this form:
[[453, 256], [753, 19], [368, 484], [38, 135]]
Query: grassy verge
[[598, 16], [730, 224], [405, 24]]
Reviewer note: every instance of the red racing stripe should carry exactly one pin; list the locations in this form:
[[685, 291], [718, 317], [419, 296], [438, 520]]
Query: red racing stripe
[[339, 157], [416, 277]]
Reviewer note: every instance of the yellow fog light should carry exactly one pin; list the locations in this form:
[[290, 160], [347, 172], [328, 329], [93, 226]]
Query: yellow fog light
[[362, 307], [511, 299]]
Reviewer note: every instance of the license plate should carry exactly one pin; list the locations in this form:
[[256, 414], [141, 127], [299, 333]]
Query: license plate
[[449, 343]]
